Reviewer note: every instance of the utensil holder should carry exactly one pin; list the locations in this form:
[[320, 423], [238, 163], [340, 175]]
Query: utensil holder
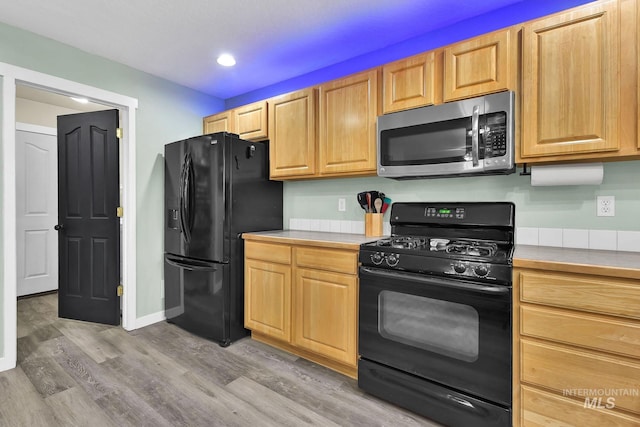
[[373, 224]]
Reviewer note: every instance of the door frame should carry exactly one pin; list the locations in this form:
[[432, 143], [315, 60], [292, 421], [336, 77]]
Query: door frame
[[12, 75]]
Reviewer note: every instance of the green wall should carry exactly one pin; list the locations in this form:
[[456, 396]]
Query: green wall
[[166, 112], [549, 207]]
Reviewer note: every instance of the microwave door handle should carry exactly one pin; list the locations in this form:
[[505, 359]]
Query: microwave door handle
[[475, 118]]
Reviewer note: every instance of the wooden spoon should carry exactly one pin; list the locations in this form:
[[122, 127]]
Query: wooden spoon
[[378, 205]]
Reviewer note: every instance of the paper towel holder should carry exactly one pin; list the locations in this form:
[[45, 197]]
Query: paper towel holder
[[525, 171]]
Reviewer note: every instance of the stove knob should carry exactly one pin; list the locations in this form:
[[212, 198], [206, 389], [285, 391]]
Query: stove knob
[[392, 260], [377, 258], [481, 270], [459, 268]]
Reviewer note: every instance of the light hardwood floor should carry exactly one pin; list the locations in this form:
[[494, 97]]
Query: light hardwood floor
[[74, 373]]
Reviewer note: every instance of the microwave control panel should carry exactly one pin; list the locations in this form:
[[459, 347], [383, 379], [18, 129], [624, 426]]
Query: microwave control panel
[[495, 135]]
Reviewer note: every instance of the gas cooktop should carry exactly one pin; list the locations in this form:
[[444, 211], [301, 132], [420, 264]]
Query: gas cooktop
[[456, 240]]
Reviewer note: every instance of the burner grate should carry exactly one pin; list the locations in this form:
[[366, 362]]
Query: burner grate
[[472, 248]]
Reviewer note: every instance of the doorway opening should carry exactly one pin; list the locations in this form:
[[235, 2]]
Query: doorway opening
[[11, 77]]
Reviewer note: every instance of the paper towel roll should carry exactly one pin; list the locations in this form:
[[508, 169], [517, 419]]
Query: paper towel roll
[[574, 174]]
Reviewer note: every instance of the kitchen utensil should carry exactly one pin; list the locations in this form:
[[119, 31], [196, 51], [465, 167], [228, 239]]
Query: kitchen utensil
[[377, 204], [385, 204], [369, 202], [362, 201]]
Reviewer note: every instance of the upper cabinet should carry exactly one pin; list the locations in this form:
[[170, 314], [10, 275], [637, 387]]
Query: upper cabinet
[[481, 65], [349, 109], [474, 67], [248, 121], [220, 122], [293, 134], [410, 83], [571, 84]]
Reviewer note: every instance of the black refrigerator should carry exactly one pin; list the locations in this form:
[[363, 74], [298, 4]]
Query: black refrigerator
[[216, 187]]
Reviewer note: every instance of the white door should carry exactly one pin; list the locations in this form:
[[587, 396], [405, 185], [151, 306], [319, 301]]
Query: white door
[[37, 209]]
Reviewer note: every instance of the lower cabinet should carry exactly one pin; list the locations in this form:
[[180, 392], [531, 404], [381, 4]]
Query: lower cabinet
[[304, 300], [576, 349], [325, 314]]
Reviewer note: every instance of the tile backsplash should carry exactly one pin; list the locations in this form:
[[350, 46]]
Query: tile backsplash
[[559, 237], [611, 240]]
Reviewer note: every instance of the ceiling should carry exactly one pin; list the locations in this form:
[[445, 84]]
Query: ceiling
[[272, 40]]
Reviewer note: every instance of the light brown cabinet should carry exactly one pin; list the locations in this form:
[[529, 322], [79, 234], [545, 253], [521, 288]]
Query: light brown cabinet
[[410, 83], [474, 67], [576, 353], [571, 86], [293, 134], [221, 122], [304, 300], [349, 108], [481, 65], [267, 304], [248, 121]]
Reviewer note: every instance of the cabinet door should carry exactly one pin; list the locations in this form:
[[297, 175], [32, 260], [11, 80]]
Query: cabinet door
[[570, 100], [481, 65], [293, 134], [348, 116], [325, 314], [220, 122], [267, 299], [250, 121], [409, 83]]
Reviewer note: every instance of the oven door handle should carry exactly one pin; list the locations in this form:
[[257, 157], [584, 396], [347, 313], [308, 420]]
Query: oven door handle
[[482, 288]]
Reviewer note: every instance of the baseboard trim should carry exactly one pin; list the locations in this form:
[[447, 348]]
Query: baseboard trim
[[6, 364]]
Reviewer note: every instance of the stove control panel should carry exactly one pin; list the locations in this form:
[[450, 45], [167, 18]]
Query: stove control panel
[[457, 213], [469, 269], [390, 259]]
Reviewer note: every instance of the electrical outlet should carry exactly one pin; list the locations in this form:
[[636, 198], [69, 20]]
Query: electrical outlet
[[342, 205], [606, 206]]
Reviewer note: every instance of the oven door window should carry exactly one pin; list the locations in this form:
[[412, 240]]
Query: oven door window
[[443, 327]]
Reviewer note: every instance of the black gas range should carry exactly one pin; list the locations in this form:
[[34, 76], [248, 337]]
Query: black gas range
[[435, 312]]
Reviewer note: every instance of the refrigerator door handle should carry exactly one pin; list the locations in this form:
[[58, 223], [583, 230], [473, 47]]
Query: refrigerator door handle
[[184, 199], [191, 200], [191, 264]]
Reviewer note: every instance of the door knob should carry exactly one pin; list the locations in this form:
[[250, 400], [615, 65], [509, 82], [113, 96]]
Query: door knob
[[58, 227]]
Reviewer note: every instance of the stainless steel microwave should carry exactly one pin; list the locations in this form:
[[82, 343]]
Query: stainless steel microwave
[[468, 137]]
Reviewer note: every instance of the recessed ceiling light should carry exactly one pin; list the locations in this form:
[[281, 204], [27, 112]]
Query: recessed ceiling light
[[226, 60], [80, 100]]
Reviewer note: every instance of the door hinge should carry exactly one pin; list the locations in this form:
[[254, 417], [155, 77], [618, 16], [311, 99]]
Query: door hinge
[[119, 133], [120, 290], [119, 212]]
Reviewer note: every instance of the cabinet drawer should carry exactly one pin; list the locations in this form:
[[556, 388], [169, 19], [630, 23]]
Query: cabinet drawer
[[327, 259], [597, 332], [562, 369], [268, 252], [589, 293], [545, 409]]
